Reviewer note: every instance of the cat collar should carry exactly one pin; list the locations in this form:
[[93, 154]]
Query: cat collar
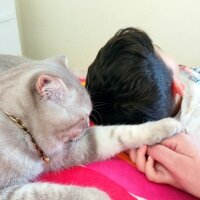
[[20, 124]]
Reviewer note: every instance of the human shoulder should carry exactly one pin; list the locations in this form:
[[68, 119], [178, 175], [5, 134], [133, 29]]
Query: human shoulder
[[189, 114]]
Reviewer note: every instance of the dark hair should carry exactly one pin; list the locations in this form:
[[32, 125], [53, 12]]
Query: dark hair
[[128, 82]]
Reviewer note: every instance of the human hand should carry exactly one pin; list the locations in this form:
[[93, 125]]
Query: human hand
[[176, 161]]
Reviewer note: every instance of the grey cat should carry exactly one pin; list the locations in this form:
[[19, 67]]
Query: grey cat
[[44, 127]]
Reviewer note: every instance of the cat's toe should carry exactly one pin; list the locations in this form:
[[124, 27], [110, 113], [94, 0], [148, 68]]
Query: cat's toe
[[163, 129], [171, 126]]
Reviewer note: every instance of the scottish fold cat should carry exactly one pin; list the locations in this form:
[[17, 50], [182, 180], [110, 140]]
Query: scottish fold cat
[[44, 127]]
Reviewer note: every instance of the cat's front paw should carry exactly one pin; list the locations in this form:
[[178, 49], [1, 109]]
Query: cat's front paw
[[171, 126], [163, 129]]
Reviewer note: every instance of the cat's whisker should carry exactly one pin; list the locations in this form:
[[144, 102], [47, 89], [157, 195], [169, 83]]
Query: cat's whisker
[[93, 93], [99, 103], [99, 115], [94, 117]]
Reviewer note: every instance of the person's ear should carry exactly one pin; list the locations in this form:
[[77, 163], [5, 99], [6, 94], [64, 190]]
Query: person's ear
[[178, 87]]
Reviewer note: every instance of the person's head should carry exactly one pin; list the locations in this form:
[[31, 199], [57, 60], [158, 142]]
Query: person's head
[[129, 81]]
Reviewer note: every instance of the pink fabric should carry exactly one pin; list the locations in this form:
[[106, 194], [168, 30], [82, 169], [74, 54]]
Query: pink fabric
[[135, 182], [84, 176], [118, 178]]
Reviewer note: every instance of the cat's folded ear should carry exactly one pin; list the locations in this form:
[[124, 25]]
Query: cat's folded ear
[[59, 59], [51, 87]]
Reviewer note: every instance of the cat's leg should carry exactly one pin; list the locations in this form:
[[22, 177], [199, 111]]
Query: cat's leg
[[46, 191], [110, 140]]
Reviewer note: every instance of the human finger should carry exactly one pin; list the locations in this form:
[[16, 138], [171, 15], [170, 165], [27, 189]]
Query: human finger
[[140, 159], [165, 156], [132, 154], [157, 173]]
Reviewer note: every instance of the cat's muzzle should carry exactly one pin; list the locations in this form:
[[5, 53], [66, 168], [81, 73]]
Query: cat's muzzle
[[77, 131]]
